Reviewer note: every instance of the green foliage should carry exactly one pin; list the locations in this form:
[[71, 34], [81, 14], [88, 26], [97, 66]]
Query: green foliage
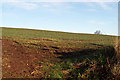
[[52, 70]]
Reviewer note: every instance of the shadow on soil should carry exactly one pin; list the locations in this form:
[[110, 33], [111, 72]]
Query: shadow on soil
[[89, 63]]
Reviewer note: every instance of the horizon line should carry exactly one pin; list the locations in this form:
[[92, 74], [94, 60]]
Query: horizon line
[[54, 30]]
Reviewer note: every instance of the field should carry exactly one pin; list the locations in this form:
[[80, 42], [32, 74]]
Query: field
[[28, 53]]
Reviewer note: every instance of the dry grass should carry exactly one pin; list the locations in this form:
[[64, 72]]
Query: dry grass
[[116, 68]]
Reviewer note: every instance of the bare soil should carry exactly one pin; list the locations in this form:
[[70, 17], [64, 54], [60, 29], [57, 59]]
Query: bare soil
[[21, 62]]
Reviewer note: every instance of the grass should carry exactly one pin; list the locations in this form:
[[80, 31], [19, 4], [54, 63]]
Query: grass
[[80, 56], [116, 68], [63, 37], [30, 33], [86, 66]]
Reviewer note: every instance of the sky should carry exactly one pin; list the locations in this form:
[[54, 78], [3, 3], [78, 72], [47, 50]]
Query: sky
[[76, 16]]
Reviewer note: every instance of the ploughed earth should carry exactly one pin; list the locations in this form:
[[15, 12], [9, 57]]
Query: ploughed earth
[[26, 60], [21, 61]]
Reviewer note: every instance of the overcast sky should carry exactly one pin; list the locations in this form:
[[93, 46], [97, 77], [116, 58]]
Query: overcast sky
[[78, 17]]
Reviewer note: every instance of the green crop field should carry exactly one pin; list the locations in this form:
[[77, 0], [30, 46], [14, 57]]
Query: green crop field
[[31, 33], [63, 36], [54, 54]]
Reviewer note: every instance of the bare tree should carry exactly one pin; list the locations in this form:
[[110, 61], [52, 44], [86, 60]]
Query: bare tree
[[97, 32]]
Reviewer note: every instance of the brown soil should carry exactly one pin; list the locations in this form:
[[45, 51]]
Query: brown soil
[[19, 61], [22, 62]]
